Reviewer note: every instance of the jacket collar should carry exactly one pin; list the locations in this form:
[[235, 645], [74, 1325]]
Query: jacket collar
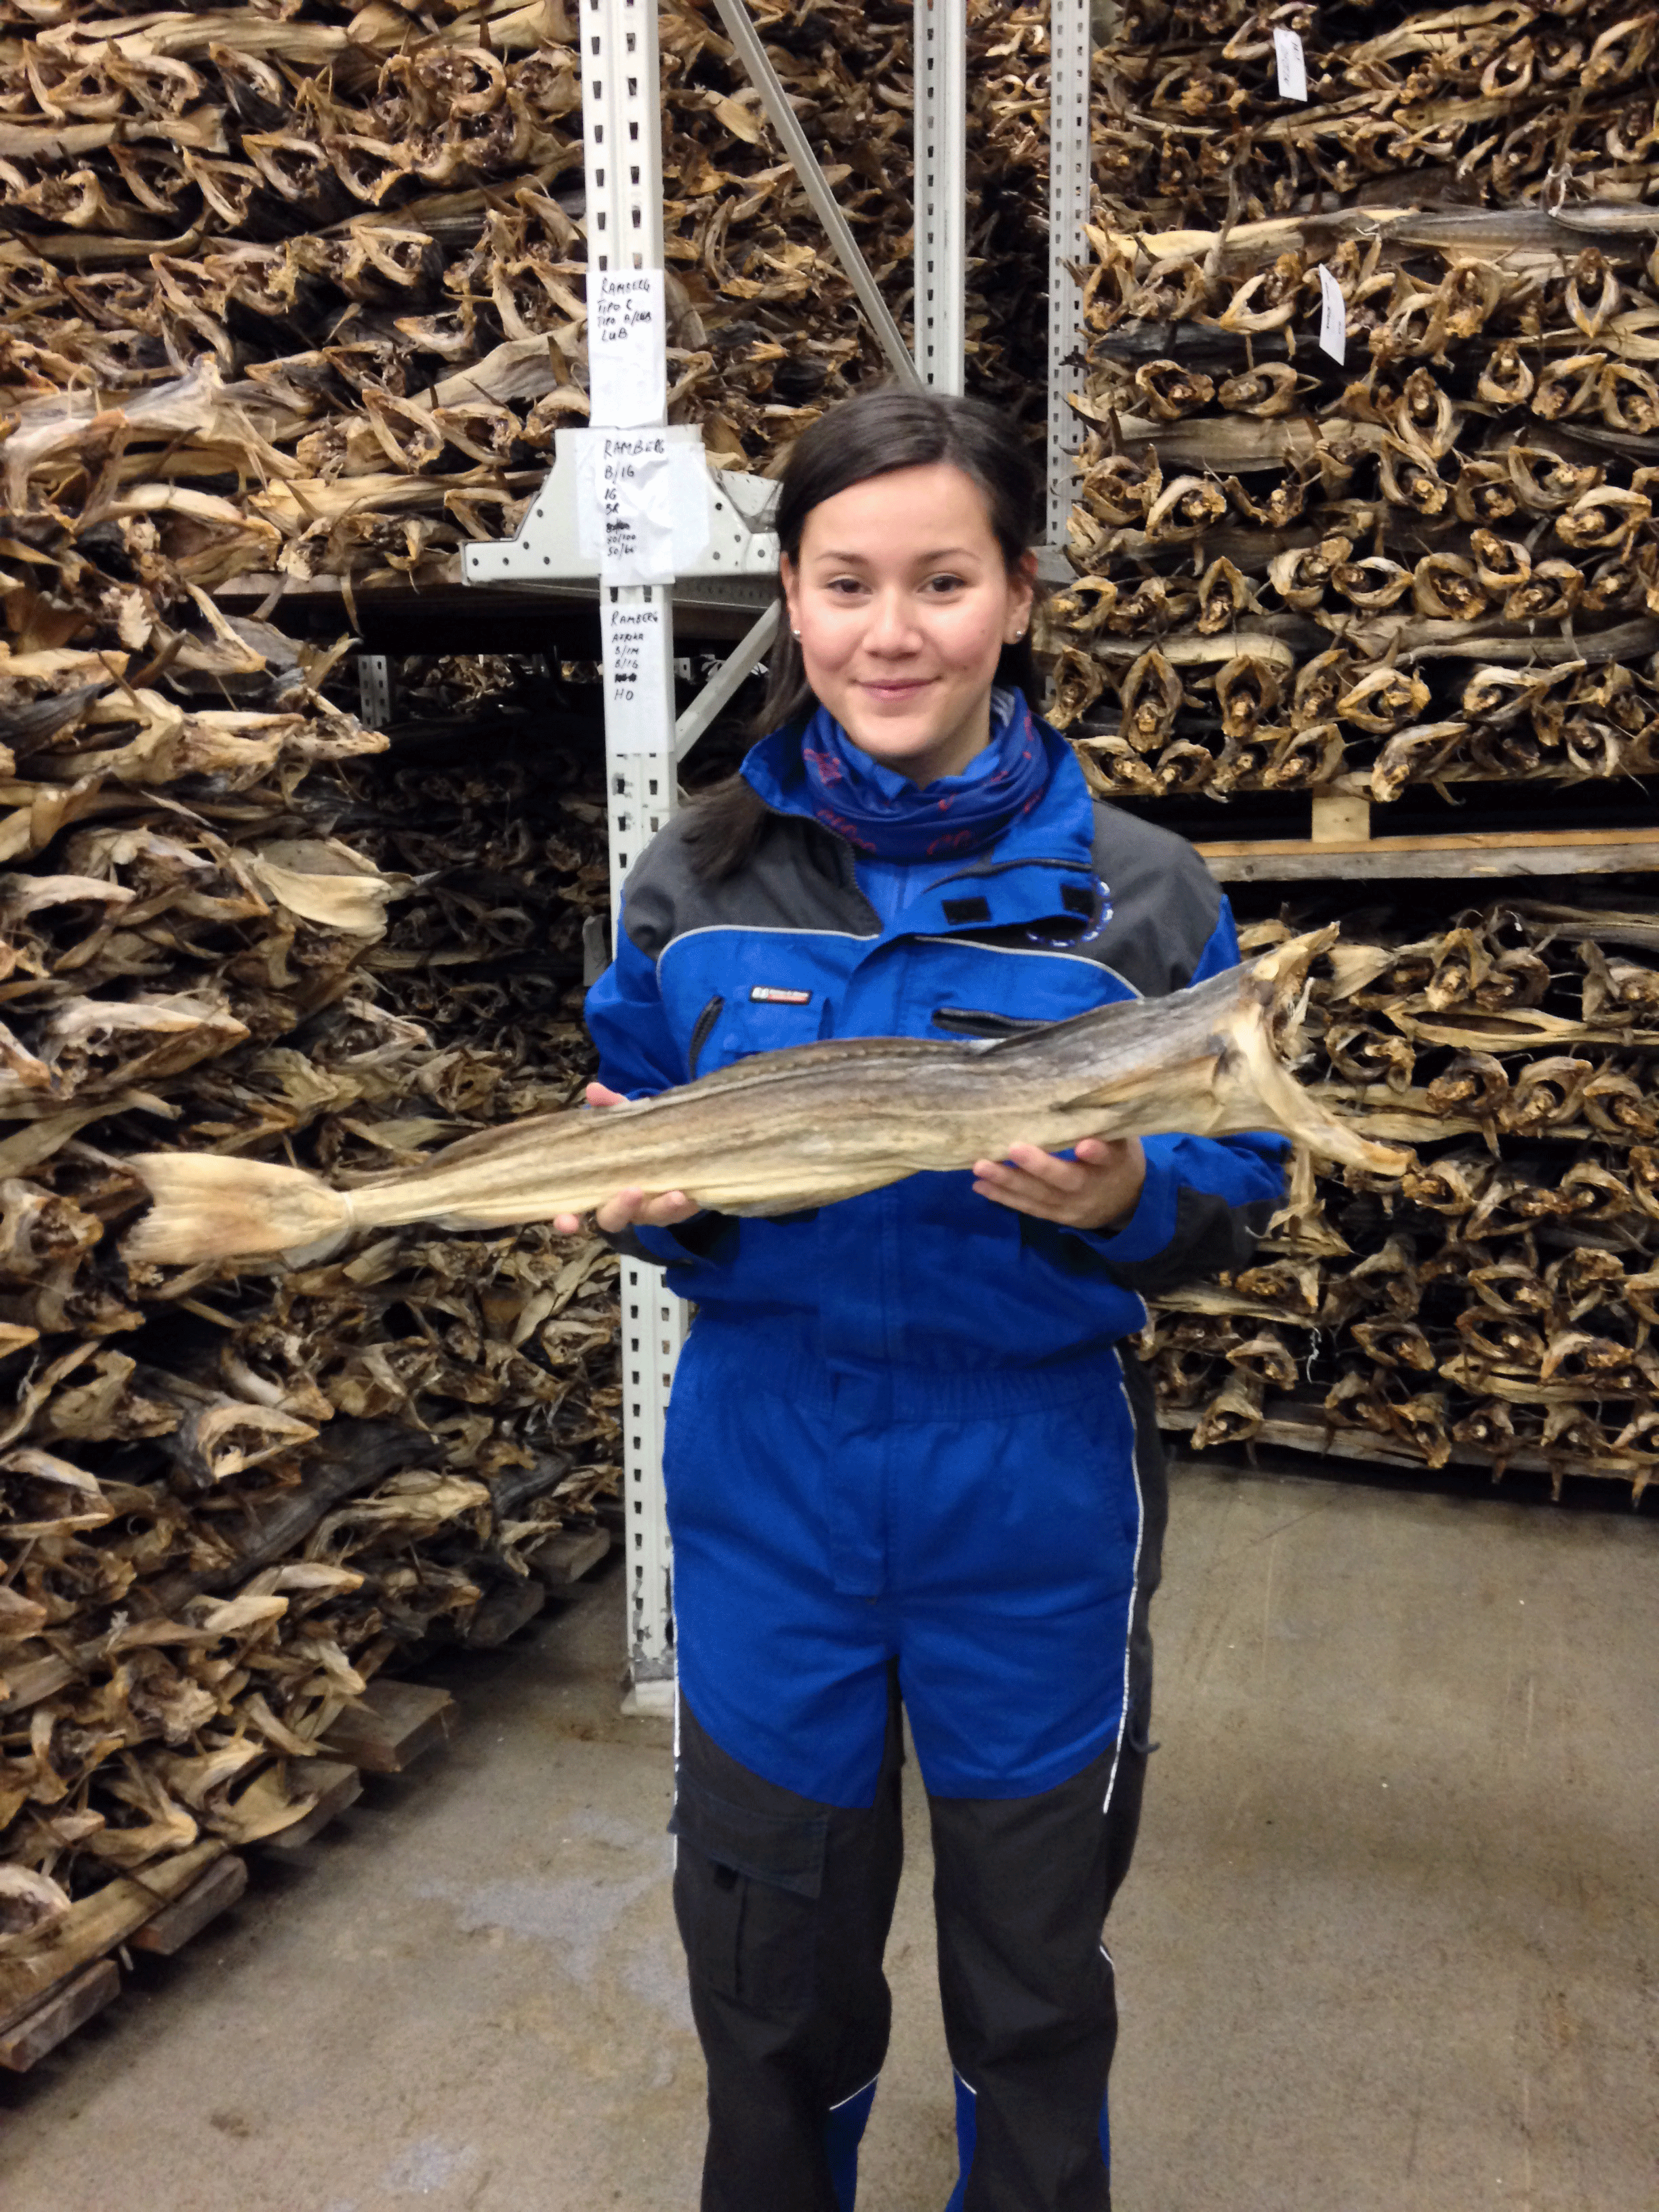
[[1017, 871]]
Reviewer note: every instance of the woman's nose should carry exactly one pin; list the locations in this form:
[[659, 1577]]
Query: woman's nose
[[892, 628]]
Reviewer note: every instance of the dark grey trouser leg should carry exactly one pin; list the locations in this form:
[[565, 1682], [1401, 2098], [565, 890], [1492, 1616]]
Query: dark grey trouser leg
[[1021, 1888], [783, 1905]]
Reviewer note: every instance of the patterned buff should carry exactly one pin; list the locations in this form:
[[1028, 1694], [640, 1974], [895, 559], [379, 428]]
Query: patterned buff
[[881, 812]]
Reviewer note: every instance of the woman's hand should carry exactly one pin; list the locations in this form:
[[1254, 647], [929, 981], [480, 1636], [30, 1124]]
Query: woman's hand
[[1097, 1188], [629, 1208]]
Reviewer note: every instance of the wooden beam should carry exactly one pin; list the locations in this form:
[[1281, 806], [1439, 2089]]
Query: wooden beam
[[389, 1726], [1536, 853], [172, 1927], [1310, 1434], [68, 2008], [338, 1785], [94, 1925], [502, 1612], [566, 1557]]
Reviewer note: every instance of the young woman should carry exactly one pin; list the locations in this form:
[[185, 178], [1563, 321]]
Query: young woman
[[908, 1460]]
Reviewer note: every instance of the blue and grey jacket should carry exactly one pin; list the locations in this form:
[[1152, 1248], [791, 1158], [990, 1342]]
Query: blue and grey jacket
[[902, 1433], [1077, 905]]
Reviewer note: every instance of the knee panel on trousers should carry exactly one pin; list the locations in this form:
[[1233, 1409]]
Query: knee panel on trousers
[[746, 1885]]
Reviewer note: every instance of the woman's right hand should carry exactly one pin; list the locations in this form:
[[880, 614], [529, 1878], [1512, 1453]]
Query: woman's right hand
[[630, 1208]]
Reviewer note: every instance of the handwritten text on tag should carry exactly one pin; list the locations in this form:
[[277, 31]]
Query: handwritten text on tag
[[1293, 63], [628, 361]]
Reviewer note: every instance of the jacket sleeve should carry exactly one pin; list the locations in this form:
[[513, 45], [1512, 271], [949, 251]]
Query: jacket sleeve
[[639, 1056], [1205, 1204]]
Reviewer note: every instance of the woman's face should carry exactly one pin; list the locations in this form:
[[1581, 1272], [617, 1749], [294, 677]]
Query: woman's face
[[903, 604]]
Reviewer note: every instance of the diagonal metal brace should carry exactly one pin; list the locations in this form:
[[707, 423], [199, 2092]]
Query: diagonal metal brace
[[735, 15], [726, 683]]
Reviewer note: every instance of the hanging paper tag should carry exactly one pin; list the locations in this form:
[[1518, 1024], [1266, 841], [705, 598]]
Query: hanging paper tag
[[1332, 316], [1293, 63], [637, 668], [627, 346], [641, 504]]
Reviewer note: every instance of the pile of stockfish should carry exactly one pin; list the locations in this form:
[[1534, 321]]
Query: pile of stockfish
[[227, 1497], [293, 295], [1495, 1306], [1433, 561]]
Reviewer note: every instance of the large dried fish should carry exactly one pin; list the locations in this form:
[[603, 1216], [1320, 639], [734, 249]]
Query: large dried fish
[[807, 1125]]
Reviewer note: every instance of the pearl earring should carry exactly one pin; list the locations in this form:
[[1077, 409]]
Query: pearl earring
[[794, 633]]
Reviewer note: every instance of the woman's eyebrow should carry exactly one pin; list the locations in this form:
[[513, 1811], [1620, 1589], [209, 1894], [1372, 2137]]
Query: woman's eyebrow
[[942, 553]]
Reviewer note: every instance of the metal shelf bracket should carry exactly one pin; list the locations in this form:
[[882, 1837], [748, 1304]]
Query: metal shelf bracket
[[548, 548]]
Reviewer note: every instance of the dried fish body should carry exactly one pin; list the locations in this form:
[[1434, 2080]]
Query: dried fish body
[[752, 1138]]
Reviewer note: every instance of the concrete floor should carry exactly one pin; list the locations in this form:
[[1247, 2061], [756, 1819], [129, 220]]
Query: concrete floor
[[1391, 1943]]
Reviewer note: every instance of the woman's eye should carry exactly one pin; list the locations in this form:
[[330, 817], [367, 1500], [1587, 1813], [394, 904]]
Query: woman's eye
[[843, 587], [940, 587]]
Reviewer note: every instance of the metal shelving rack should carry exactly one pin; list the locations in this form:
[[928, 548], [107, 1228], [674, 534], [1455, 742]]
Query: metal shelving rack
[[644, 740]]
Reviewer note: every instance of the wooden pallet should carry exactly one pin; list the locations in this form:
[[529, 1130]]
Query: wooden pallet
[[1340, 848], [48, 1992], [1306, 1431]]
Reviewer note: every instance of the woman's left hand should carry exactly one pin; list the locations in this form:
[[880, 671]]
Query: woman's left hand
[[1096, 1188]]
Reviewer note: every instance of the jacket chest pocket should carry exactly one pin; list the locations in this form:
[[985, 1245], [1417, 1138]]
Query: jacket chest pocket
[[736, 1026]]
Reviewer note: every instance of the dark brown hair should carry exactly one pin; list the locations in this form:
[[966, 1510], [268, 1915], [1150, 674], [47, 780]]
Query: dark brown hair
[[873, 434]]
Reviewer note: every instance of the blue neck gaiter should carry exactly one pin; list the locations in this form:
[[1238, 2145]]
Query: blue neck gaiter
[[883, 813]]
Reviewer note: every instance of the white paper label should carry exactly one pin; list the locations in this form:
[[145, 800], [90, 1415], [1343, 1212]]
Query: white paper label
[[1332, 316], [1293, 63], [627, 346], [641, 504], [636, 674]]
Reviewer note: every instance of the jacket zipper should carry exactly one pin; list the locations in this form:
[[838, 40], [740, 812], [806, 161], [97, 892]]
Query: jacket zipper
[[706, 1021], [965, 1021]]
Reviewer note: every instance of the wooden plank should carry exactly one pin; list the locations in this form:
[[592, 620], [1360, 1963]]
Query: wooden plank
[[1538, 852], [172, 1927], [95, 1925], [504, 1612], [389, 1726], [1339, 818], [566, 1556], [68, 2008], [1310, 1434], [339, 1785]]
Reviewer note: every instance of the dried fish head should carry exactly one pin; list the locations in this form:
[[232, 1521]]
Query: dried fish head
[[1507, 379], [1300, 573], [1170, 390], [1483, 491], [1224, 595], [1247, 690], [1151, 697], [1186, 507], [1550, 593], [1270, 390], [1446, 587], [1373, 583]]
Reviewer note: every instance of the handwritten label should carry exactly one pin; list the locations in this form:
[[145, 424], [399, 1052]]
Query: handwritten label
[[627, 346], [1293, 63], [1332, 316], [636, 671], [641, 504]]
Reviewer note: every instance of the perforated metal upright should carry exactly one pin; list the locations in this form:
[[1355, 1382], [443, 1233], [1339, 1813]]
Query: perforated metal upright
[[941, 78], [1069, 59], [623, 131]]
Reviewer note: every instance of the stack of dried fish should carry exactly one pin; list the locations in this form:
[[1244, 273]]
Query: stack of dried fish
[[294, 298], [1496, 1304], [1436, 562], [227, 1499]]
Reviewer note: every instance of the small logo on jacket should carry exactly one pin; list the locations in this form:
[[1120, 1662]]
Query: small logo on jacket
[[776, 997]]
